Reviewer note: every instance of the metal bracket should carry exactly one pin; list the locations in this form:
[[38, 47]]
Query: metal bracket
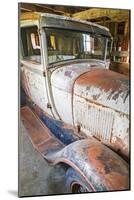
[[49, 105], [78, 128], [44, 74]]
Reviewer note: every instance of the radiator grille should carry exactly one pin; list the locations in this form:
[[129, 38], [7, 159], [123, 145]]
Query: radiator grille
[[94, 119]]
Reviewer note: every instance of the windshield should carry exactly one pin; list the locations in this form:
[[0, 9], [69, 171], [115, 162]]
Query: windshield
[[65, 45]]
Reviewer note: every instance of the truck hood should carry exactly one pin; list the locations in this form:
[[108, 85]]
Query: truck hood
[[64, 77], [105, 87], [93, 82]]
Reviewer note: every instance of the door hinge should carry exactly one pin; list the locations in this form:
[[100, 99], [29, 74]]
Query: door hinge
[[49, 105], [44, 74]]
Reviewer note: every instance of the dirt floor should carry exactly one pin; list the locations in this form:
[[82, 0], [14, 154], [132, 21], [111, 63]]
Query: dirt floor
[[36, 176]]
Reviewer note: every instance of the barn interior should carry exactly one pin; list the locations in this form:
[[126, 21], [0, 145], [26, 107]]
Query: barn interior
[[37, 177], [117, 20]]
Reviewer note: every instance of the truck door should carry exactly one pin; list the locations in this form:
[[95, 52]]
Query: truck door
[[32, 72]]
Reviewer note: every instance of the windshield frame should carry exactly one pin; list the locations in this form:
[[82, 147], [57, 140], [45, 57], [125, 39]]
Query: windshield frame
[[73, 59]]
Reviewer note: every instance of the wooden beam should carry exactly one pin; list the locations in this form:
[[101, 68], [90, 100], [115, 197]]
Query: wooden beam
[[28, 7], [93, 13], [126, 30], [53, 10], [101, 22], [40, 8]]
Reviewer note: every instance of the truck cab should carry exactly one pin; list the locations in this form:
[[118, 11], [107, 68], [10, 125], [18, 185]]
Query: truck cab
[[65, 73]]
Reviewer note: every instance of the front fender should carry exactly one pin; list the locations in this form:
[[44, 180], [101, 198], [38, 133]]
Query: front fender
[[102, 169]]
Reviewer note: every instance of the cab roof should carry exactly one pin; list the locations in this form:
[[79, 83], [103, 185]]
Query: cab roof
[[58, 21]]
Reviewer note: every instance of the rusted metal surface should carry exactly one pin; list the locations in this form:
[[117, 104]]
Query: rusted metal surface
[[62, 80], [63, 131], [105, 87], [118, 145], [83, 94], [96, 100], [101, 106], [53, 124], [102, 169], [39, 134], [34, 84]]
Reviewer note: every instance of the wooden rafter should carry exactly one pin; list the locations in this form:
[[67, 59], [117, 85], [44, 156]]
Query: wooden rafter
[[60, 10], [93, 13], [40, 8]]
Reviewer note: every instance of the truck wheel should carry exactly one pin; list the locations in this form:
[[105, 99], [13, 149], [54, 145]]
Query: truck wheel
[[75, 183]]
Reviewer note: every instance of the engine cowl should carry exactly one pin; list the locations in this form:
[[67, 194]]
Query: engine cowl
[[101, 107]]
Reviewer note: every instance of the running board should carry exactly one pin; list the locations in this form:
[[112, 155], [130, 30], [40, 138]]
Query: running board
[[41, 137]]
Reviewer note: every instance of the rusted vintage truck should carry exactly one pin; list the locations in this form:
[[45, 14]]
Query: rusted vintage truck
[[77, 110]]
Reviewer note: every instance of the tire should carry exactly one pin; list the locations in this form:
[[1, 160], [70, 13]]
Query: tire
[[75, 183]]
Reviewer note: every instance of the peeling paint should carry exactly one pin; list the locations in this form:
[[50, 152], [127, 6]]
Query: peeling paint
[[101, 107], [91, 98]]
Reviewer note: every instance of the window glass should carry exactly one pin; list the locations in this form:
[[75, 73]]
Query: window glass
[[30, 44], [67, 44], [108, 55]]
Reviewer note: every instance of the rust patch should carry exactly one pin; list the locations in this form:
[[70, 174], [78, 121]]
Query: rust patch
[[110, 167], [50, 145], [68, 73], [40, 135], [116, 181], [93, 154], [104, 79], [119, 146]]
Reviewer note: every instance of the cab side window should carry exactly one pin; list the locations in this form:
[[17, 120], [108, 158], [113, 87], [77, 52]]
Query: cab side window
[[30, 44], [108, 56]]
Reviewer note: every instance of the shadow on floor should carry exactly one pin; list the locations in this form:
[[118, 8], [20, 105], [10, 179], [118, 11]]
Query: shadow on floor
[[36, 176]]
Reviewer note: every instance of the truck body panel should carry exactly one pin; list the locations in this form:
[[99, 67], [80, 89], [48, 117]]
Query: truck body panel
[[83, 104]]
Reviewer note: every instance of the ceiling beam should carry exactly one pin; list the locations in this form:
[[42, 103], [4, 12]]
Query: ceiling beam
[[102, 22], [53, 10], [40, 8], [93, 13]]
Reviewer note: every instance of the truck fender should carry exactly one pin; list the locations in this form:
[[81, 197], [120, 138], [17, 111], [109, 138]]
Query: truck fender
[[99, 166]]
